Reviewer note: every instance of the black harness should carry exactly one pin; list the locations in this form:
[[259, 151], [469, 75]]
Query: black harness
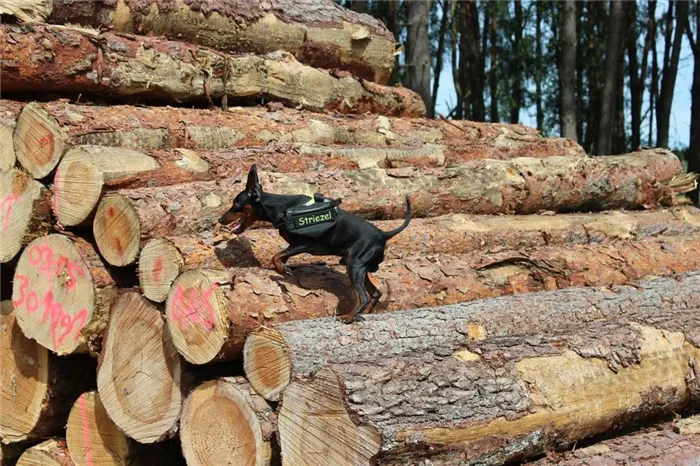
[[311, 220]]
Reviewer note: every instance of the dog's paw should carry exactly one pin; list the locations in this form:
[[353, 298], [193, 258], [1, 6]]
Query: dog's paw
[[284, 270], [349, 318]]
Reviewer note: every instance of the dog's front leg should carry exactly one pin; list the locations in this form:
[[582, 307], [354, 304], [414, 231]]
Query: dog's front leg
[[279, 260]]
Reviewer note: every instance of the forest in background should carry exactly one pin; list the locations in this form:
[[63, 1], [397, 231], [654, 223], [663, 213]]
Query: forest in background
[[603, 73]]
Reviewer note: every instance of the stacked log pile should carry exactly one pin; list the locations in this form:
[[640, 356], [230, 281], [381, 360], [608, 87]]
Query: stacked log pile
[[539, 298]]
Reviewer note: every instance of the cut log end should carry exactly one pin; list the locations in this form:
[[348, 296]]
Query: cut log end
[[52, 452], [314, 418], [24, 212], [23, 383], [54, 294], [38, 141], [7, 148], [267, 363], [197, 315], [117, 230], [224, 421], [76, 191], [92, 437], [140, 382], [160, 263]]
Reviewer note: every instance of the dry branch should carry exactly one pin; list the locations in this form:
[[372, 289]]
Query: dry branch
[[209, 313], [321, 34], [62, 292], [485, 381], [37, 387], [139, 374], [153, 69], [225, 418]]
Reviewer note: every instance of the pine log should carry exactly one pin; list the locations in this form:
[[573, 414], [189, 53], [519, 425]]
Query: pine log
[[321, 34], [62, 292], [162, 259], [139, 374], [9, 111], [94, 440], [162, 128], [225, 422], [52, 452], [210, 313], [518, 186], [25, 212], [154, 69], [414, 386], [37, 388], [657, 445]]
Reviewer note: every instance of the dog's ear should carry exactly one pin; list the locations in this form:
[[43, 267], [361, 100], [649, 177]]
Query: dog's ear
[[252, 186]]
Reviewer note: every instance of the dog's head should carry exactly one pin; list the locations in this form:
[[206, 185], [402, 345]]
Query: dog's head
[[244, 211]]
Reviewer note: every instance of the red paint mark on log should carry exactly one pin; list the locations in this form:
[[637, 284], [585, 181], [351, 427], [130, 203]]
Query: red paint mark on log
[[6, 205], [110, 212], [157, 273], [119, 247], [193, 306], [87, 443]]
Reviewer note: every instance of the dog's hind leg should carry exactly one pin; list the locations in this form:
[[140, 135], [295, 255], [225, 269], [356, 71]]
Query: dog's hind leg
[[357, 278], [279, 260], [374, 293]]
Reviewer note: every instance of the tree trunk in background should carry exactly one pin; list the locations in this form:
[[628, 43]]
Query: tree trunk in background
[[619, 139], [493, 66], [668, 81], [567, 70], [473, 61], [538, 65], [638, 69], [580, 71], [596, 27], [516, 61], [417, 75], [444, 23], [694, 149], [612, 58], [456, 11], [654, 90]]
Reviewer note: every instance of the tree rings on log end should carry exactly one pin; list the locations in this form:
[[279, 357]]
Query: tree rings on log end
[[224, 422], [24, 212], [52, 452], [59, 300], [197, 316], [139, 372], [77, 187], [23, 382], [117, 230], [160, 263], [314, 418], [92, 437], [38, 140], [267, 364]]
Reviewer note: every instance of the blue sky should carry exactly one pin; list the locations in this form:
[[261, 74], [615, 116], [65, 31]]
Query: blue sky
[[680, 110]]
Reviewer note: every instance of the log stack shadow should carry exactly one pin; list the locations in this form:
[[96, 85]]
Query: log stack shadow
[[540, 298]]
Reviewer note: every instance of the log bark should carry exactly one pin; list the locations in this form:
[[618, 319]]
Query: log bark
[[52, 452], [209, 313], [322, 34], [37, 387], [25, 212], [519, 186], [662, 444], [54, 123], [153, 69], [161, 260], [431, 391], [139, 375], [9, 111], [94, 440], [225, 418], [62, 292]]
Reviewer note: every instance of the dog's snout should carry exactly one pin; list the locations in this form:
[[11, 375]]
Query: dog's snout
[[227, 218]]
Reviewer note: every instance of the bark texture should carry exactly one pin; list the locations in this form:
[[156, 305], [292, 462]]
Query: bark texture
[[567, 70], [9, 111], [62, 292], [163, 128], [71, 60], [435, 390], [519, 186], [201, 303], [657, 445], [320, 34], [225, 418], [37, 387]]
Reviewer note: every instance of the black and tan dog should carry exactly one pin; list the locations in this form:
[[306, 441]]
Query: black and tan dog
[[333, 232]]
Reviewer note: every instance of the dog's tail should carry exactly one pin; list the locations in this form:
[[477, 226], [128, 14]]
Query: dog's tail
[[396, 231]]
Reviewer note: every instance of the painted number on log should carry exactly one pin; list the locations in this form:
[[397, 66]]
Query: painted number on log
[[193, 306], [51, 267]]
